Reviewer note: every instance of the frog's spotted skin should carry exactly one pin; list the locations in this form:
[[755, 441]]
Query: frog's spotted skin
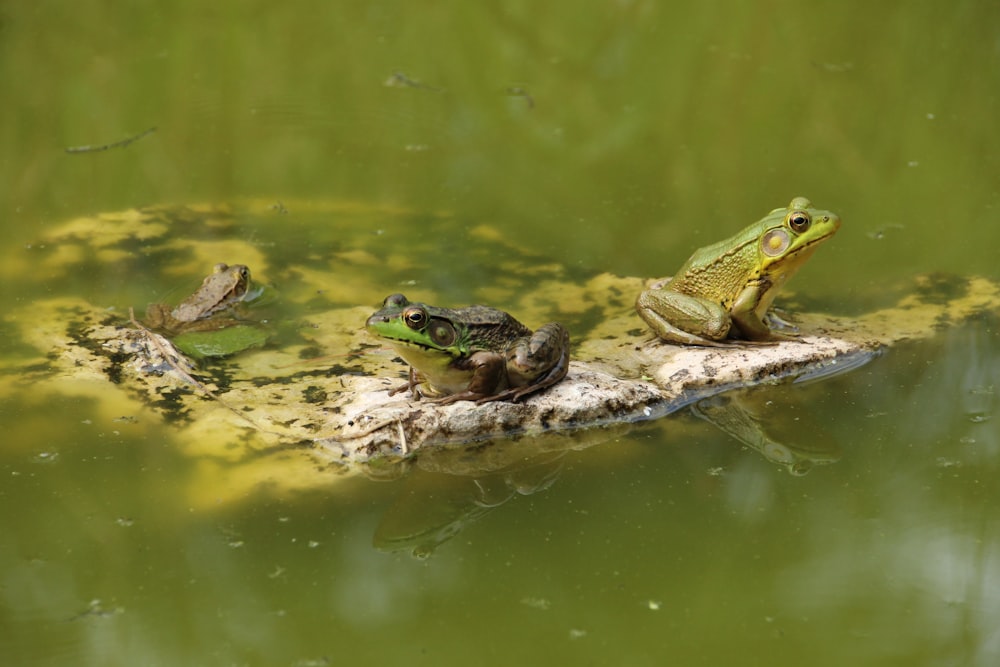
[[224, 288], [724, 291]]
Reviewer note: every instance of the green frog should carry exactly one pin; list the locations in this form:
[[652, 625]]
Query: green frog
[[224, 289], [475, 353], [724, 291]]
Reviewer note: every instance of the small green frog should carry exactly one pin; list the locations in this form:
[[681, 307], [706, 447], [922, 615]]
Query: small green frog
[[724, 291], [475, 353]]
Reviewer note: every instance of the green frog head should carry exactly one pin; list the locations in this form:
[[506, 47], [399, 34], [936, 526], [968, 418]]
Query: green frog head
[[787, 237]]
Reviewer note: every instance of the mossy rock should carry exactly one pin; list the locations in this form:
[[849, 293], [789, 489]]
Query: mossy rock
[[315, 402]]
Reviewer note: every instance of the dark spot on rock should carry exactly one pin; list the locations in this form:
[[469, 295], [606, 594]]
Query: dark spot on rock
[[114, 368], [313, 394]]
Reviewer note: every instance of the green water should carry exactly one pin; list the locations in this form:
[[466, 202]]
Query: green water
[[616, 136]]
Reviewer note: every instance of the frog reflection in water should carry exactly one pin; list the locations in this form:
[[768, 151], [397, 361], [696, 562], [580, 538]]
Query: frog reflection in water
[[724, 291], [221, 291]]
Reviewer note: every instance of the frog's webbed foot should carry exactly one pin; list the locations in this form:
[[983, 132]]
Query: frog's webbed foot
[[463, 396], [766, 335], [739, 342], [402, 388], [780, 326], [412, 383], [666, 332]]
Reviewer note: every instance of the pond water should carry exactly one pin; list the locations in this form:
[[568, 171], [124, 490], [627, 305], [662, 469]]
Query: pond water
[[616, 136]]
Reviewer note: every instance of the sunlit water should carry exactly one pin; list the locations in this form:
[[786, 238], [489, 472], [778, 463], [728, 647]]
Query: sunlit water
[[616, 137]]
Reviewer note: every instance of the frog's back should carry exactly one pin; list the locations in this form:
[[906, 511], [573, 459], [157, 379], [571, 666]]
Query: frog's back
[[718, 272], [489, 328]]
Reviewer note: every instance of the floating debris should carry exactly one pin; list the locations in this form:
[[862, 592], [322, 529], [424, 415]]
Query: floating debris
[[96, 608], [536, 603], [520, 91], [880, 232], [400, 80], [115, 144], [45, 457]]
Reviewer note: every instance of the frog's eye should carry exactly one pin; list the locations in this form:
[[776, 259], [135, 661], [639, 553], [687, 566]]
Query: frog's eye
[[415, 318], [442, 333], [799, 221]]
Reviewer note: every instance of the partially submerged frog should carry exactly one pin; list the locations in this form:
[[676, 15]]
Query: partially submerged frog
[[723, 292], [475, 353], [225, 288]]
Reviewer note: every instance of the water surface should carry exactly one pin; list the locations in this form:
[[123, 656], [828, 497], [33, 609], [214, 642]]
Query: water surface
[[617, 137]]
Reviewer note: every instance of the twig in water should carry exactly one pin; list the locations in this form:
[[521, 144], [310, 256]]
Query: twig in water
[[520, 91], [399, 80], [115, 144]]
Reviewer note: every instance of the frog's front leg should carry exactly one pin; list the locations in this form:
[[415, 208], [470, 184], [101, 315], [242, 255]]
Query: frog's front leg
[[536, 362], [156, 315], [748, 322], [683, 319], [159, 317], [413, 382], [487, 377]]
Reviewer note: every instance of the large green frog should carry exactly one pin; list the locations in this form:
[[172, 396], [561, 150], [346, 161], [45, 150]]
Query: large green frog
[[223, 289], [475, 353], [723, 292]]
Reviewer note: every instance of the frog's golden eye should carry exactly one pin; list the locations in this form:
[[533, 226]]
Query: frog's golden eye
[[442, 333], [799, 221], [415, 318]]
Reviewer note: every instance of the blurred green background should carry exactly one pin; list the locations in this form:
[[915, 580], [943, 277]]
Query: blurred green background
[[612, 136]]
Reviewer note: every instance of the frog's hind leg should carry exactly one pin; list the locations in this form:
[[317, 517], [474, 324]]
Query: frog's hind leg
[[548, 337]]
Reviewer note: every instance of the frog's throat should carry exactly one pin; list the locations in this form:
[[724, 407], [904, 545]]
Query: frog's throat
[[781, 264], [424, 349]]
